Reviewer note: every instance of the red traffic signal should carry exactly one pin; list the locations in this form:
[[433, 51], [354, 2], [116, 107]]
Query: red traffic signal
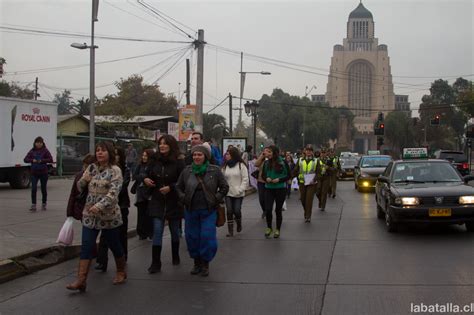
[[382, 126]]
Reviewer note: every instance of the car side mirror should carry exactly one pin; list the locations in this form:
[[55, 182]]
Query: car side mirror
[[468, 178], [383, 179]]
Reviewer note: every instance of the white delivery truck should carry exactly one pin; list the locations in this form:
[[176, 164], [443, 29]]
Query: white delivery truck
[[21, 121]]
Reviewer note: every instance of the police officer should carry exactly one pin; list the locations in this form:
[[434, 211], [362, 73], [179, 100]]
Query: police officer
[[305, 170], [333, 172], [323, 178]]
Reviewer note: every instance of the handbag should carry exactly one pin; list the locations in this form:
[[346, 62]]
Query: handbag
[[220, 220], [66, 234], [254, 174]]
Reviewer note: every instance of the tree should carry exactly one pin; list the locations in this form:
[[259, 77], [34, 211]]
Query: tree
[[214, 127], [82, 107], [399, 130], [64, 102], [466, 100], [284, 118], [136, 98], [12, 89]]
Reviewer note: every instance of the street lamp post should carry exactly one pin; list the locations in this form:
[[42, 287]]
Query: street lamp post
[[251, 110], [242, 85], [92, 47]]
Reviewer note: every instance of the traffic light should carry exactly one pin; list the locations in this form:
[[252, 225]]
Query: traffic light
[[379, 141], [435, 121], [379, 130]]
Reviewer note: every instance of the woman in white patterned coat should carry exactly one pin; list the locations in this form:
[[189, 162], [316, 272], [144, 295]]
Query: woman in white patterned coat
[[103, 181]]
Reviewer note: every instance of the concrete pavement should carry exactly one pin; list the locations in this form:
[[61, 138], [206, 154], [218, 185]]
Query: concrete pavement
[[343, 262]]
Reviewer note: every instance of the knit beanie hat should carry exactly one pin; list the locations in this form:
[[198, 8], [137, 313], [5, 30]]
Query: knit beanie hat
[[204, 148]]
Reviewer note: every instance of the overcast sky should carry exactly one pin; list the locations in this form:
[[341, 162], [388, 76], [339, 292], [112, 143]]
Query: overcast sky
[[426, 40]]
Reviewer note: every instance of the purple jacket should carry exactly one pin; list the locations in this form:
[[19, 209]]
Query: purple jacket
[[42, 157]]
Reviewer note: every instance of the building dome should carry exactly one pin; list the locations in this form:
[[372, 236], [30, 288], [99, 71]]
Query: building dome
[[360, 13]]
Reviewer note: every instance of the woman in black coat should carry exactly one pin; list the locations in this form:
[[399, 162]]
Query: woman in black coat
[[144, 221], [163, 173]]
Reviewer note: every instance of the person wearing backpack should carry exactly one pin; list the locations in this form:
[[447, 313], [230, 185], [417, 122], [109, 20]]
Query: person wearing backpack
[[236, 173]]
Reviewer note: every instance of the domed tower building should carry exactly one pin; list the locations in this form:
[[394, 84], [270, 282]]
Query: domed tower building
[[360, 79]]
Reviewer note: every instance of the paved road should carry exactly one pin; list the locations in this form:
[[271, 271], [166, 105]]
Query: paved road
[[22, 231], [343, 262]]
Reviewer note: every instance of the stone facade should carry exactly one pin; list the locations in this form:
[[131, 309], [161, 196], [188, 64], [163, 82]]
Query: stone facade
[[360, 77]]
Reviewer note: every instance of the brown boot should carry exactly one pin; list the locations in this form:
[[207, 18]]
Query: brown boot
[[230, 226], [121, 275], [80, 283]]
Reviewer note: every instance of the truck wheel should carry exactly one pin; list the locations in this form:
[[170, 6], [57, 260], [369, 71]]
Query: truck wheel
[[20, 179]]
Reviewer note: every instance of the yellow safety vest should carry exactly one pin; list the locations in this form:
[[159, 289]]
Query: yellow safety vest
[[306, 168], [323, 166]]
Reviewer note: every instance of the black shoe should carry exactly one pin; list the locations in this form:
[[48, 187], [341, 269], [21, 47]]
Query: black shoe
[[101, 267], [155, 260], [197, 267], [323, 209], [333, 196], [205, 269], [175, 253]]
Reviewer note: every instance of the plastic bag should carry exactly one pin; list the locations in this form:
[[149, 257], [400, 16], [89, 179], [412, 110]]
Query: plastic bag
[[66, 235]]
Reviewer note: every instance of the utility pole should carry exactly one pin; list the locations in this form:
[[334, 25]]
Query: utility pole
[[36, 89], [242, 83], [188, 83], [230, 114], [199, 44]]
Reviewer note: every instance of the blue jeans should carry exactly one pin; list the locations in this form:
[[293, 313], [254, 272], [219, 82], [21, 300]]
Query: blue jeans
[[89, 239], [234, 208], [200, 231], [158, 228], [43, 178]]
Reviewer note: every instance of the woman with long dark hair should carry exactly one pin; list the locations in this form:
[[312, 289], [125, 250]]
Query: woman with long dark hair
[[144, 221], [103, 181], [276, 173], [201, 186], [162, 174], [39, 157], [236, 173], [124, 204]]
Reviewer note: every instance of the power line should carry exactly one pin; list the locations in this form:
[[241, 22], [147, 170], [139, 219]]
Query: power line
[[29, 31], [170, 69], [222, 102], [60, 68], [161, 17]]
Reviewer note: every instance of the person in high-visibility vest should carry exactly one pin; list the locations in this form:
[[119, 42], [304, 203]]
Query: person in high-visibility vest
[[334, 172], [305, 170], [323, 178]]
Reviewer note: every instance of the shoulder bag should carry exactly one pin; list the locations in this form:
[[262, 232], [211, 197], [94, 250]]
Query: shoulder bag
[[220, 221]]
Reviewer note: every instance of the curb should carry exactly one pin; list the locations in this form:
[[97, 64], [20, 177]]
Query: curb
[[40, 259], [19, 266]]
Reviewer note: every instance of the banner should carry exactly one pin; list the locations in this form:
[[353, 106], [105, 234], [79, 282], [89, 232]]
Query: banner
[[173, 129], [187, 122]]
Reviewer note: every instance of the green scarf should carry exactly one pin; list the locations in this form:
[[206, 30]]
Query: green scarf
[[200, 170]]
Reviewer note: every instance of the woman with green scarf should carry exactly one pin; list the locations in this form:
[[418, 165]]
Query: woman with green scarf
[[201, 187]]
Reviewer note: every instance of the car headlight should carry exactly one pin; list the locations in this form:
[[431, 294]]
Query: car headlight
[[407, 201], [466, 200]]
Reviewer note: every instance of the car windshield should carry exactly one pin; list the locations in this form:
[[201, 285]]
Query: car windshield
[[456, 157], [424, 172], [379, 161], [349, 161]]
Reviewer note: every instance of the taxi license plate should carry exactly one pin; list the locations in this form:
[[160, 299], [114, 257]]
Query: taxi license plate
[[349, 173], [440, 212]]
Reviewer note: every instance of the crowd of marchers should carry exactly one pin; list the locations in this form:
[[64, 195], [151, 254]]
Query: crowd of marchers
[[169, 186]]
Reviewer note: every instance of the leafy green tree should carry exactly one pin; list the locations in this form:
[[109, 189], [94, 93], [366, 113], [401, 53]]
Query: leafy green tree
[[399, 130], [135, 98], [82, 106], [12, 89], [214, 127], [64, 102]]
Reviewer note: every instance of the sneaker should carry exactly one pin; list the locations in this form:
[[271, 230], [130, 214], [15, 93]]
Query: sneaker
[[33, 208], [268, 232], [276, 234], [43, 207]]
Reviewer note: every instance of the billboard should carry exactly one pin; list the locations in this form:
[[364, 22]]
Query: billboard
[[239, 143], [173, 129], [187, 122]]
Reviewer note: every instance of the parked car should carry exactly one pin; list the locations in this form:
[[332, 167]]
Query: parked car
[[424, 191], [71, 160], [457, 158], [368, 169]]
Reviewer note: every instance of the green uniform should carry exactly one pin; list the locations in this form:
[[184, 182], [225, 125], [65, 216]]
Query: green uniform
[[302, 168], [333, 173], [324, 181]]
